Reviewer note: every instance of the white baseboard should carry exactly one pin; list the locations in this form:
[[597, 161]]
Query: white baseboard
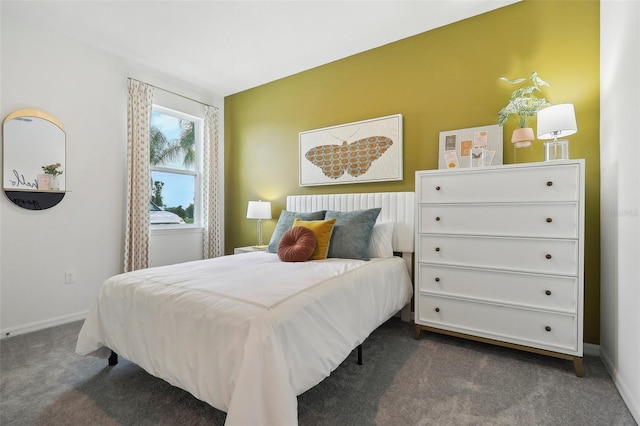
[[591, 349], [623, 388], [40, 325]]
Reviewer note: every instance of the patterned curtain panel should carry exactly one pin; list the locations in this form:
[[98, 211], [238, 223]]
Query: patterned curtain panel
[[211, 203], [136, 248]]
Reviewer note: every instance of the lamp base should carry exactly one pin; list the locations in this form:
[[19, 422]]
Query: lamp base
[[556, 150], [260, 247]]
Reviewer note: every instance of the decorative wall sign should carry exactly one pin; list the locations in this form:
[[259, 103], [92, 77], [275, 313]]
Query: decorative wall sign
[[363, 151], [483, 145]]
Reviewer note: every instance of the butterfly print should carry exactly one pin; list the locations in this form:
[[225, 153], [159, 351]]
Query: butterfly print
[[355, 158]]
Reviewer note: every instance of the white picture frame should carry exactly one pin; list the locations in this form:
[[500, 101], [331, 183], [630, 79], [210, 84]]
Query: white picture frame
[[358, 152], [457, 146]]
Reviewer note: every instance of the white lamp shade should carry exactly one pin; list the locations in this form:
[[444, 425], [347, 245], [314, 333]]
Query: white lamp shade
[[259, 210], [557, 121]]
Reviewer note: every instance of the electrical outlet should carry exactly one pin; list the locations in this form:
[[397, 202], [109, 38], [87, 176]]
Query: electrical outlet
[[69, 277]]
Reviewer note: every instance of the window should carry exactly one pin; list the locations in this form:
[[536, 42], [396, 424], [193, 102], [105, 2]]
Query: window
[[175, 146]]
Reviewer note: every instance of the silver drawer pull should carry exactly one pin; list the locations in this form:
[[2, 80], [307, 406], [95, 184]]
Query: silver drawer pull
[[549, 220], [548, 256], [548, 292], [549, 183], [437, 309], [438, 188], [437, 218], [438, 249], [547, 328], [437, 279]]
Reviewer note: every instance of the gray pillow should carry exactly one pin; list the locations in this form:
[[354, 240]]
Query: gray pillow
[[285, 222], [352, 233]]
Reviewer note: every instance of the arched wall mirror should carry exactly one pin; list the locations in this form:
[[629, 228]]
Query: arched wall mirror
[[34, 152]]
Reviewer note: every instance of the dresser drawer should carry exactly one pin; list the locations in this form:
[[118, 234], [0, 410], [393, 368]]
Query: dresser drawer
[[500, 184], [522, 326], [558, 220], [506, 253], [550, 292]]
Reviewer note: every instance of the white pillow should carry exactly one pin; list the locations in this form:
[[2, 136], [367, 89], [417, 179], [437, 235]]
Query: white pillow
[[381, 243]]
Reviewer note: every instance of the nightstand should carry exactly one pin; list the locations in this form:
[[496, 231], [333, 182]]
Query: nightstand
[[248, 249]]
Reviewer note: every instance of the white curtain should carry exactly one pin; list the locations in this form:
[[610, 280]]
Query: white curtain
[[211, 203], [136, 248]]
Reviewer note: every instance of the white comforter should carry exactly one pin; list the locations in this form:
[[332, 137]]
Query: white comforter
[[245, 333]]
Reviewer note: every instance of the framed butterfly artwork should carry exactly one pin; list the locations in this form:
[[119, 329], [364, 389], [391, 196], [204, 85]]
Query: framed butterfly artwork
[[362, 151]]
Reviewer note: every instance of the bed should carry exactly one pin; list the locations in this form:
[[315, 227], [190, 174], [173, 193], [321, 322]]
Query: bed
[[248, 333]]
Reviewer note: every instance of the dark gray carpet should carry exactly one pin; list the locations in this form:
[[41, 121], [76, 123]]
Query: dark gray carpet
[[438, 380]]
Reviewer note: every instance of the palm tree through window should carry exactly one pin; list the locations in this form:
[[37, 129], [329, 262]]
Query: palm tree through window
[[174, 147]]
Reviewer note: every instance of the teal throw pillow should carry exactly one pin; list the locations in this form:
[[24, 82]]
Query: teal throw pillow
[[285, 222], [352, 233]]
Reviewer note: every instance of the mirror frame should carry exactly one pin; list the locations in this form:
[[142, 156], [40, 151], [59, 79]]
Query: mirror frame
[[29, 198]]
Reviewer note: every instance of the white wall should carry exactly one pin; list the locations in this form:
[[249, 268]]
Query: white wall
[[86, 90], [620, 196]]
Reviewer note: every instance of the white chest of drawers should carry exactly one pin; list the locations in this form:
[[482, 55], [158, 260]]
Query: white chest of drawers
[[499, 256]]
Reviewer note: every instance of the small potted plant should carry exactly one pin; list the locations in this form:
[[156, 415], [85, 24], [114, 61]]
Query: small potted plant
[[523, 106]]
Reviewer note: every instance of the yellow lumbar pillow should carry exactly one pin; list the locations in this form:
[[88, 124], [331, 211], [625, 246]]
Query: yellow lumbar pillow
[[323, 230]]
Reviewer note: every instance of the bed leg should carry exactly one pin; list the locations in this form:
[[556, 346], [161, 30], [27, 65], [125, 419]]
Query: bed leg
[[360, 354], [113, 358]]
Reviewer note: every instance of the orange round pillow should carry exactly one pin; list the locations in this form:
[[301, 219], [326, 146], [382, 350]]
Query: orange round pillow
[[297, 244]]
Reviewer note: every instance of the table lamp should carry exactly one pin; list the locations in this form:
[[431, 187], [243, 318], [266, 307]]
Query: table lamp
[[259, 210], [553, 122]]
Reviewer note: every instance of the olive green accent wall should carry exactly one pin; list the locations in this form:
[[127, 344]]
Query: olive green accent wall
[[444, 79]]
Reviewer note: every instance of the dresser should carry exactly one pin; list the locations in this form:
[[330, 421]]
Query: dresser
[[499, 256]]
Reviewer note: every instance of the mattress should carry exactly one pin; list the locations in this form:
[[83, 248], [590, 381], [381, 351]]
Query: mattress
[[245, 333]]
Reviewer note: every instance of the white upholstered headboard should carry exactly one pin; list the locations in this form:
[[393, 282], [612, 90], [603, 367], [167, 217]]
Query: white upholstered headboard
[[396, 206]]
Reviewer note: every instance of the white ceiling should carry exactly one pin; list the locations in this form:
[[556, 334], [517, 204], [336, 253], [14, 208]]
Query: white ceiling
[[231, 46]]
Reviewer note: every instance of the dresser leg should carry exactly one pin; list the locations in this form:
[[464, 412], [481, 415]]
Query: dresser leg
[[577, 365], [417, 333]]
